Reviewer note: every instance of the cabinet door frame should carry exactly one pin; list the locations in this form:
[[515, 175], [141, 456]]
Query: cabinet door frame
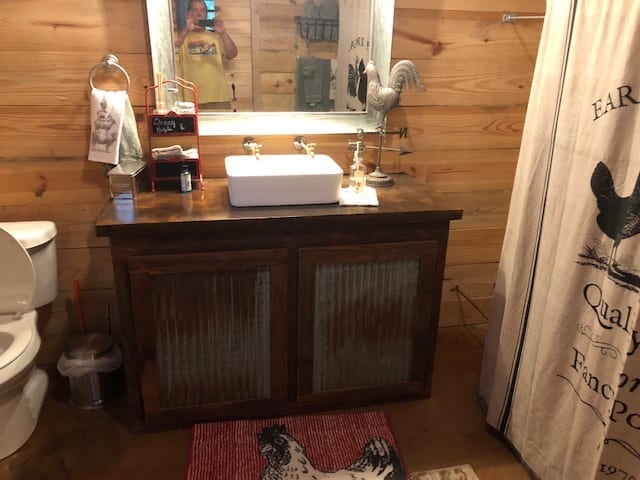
[[428, 290], [143, 267]]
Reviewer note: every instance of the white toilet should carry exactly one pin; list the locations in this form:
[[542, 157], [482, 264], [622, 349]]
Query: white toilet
[[28, 279]]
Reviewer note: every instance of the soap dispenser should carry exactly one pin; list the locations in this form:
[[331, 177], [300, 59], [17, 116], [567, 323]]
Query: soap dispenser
[[357, 171]]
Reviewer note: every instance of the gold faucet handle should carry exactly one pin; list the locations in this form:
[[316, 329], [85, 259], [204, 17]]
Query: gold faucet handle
[[311, 147], [251, 146]]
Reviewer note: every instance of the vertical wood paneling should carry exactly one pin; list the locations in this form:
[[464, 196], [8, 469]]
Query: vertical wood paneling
[[366, 318], [208, 329], [218, 348], [373, 346]]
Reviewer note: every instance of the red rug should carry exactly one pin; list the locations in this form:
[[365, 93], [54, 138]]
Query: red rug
[[354, 446]]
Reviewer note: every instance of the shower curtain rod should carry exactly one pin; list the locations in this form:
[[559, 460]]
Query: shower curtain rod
[[512, 17]]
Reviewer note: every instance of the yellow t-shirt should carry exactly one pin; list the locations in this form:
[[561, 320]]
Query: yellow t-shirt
[[199, 61]]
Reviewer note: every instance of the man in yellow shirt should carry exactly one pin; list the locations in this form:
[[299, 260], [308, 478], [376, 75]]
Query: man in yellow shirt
[[200, 57]]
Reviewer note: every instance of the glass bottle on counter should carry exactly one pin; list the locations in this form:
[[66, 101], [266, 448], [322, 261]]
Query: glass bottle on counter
[[185, 179], [357, 171]]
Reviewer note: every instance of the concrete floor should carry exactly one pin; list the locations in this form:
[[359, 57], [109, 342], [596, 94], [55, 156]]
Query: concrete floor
[[446, 429]]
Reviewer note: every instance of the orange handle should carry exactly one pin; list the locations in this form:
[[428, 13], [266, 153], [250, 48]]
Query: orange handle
[[79, 309]]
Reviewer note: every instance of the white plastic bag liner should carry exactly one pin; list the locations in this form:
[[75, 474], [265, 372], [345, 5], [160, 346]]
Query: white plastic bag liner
[[75, 367]]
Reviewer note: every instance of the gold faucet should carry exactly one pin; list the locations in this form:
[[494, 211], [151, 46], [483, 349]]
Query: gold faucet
[[250, 146], [300, 143]]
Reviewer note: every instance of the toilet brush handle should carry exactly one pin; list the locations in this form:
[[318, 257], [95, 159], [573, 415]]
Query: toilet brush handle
[[79, 309]]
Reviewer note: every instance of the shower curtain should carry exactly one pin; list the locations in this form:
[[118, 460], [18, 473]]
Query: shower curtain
[[353, 55], [561, 368]]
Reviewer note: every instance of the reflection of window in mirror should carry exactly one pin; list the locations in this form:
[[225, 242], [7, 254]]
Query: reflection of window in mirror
[[203, 48]]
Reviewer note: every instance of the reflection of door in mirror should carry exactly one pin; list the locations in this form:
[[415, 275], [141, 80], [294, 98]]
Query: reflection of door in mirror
[[310, 56], [212, 46]]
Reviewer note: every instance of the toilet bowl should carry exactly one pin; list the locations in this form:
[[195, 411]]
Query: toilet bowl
[[28, 279]]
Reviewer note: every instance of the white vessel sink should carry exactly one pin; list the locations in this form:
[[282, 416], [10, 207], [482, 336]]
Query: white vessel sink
[[294, 179]]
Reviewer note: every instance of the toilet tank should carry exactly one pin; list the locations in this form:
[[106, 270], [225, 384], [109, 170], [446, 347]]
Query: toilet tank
[[39, 240]]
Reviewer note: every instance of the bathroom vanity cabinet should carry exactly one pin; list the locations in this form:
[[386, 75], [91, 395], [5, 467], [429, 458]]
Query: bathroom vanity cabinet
[[266, 311]]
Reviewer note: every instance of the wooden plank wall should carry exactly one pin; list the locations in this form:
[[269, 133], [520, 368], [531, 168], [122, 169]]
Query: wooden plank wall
[[464, 130]]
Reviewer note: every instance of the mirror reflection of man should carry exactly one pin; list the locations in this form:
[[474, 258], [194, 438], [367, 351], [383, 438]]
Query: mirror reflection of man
[[200, 54]]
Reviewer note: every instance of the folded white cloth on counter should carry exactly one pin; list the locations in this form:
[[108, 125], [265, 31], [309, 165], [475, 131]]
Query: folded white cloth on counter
[[367, 197], [166, 152], [191, 153]]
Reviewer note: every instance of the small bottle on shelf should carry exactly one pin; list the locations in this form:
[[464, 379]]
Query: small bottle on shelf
[[185, 179]]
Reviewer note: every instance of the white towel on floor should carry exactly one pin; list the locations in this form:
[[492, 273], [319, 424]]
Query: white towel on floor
[[107, 116]]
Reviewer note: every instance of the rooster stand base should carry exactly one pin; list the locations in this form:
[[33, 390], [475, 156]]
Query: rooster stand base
[[378, 178]]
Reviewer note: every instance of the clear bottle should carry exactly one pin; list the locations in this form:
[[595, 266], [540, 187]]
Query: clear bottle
[[171, 100], [357, 171], [185, 179]]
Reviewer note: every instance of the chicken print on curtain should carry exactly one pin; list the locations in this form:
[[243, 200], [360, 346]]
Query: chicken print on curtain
[[561, 366], [618, 218]]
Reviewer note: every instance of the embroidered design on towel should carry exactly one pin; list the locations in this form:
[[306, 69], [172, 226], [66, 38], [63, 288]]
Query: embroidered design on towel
[[104, 134], [107, 113]]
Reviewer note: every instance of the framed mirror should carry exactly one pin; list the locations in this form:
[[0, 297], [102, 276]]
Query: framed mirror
[[160, 19]]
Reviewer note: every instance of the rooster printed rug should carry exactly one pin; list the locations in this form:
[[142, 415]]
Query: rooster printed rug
[[349, 446]]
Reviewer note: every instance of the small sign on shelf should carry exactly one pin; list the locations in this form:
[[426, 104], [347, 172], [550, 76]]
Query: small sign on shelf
[[173, 124]]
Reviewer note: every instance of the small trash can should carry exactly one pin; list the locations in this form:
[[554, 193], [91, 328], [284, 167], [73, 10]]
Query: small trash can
[[91, 362]]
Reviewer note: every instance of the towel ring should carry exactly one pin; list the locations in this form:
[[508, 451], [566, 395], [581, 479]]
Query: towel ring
[[109, 62]]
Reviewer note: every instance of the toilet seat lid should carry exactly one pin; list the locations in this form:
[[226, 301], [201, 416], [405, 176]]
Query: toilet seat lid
[[17, 276]]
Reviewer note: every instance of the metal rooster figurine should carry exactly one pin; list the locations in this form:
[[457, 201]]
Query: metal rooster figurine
[[384, 99]]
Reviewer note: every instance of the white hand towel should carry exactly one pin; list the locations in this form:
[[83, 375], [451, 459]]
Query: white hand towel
[[107, 115], [166, 152], [130, 148]]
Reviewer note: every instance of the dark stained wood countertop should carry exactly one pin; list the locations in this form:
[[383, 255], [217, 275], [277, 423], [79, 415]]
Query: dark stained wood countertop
[[209, 210]]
